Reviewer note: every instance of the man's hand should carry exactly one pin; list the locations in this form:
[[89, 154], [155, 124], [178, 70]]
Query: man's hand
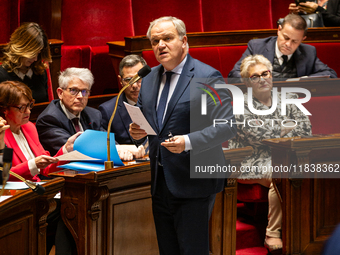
[[125, 155], [70, 142], [175, 144], [44, 160], [136, 132], [293, 8], [308, 7], [128, 151]]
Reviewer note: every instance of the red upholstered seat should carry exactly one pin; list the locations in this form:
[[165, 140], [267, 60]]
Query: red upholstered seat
[[235, 15], [329, 54], [76, 56], [324, 116], [9, 19], [92, 24], [146, 11], [252, 193]]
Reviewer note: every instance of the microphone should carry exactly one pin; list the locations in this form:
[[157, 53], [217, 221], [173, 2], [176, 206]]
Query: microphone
[[144, 71], [7, 164]]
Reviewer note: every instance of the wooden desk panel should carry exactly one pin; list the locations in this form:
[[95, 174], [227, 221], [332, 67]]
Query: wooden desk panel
[[109, 212], [23, 220], [310, 206]]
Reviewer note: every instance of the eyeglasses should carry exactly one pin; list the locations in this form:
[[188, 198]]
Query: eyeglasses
[[128, 79], [75, 92], [256, 78], [23, 108]]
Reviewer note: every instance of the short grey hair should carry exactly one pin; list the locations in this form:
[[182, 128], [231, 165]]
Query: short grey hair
[[130, 61], [69, 74], [179, 25], [253, 60]]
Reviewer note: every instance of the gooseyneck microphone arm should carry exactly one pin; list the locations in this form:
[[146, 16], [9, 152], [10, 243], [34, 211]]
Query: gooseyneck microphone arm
[[145, 70]]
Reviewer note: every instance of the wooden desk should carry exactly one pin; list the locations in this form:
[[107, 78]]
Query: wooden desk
[[109, 212], [23, 220], [310, 206]]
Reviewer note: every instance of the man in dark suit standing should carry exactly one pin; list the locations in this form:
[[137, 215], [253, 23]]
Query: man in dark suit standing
[[181, 204], [289, 56], [128, 67]]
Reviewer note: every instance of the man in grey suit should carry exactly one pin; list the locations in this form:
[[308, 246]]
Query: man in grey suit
[[171, 102], [289, 56]]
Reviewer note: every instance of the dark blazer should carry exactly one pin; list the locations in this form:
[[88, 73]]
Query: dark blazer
[[37, 83], [183, 116], [306, 61], [331, 16], [121, 121], [54, 128]]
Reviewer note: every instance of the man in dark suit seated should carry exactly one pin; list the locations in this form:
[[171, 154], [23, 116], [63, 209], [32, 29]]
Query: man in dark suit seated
[[170, 99], [289, 56], [128, 67], [69, 114]]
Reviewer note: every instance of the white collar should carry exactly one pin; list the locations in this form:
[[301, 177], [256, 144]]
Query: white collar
[[22, 75], [279, 54], [178, 69]]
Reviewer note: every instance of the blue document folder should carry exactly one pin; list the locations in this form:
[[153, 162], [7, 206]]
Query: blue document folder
[[93, 143]]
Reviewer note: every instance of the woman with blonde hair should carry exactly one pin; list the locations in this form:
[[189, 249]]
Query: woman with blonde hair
[[26, 57]]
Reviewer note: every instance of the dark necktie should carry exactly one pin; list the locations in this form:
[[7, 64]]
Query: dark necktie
[[76, 124], [163, 100], [285, 60]]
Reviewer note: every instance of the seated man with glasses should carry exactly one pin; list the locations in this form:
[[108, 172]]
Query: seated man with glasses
[[69, 114], [128, 67]]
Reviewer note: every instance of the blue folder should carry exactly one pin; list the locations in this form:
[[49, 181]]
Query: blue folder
[[93, 143]]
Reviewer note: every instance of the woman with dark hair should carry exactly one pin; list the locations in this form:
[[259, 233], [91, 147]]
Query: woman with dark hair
[[30, 160], [26, 59]]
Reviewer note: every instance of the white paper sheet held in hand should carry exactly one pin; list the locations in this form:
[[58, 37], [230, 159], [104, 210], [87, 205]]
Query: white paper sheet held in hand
[[137, 117], [74, 156]]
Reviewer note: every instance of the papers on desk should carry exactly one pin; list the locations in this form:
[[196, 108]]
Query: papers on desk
[[91, 147], [137, 117], [3, 198], [18, 185], [75, 156]]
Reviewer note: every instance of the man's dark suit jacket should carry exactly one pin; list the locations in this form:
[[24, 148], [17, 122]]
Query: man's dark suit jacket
[[121, 121], [306, 61], [205, 139], [54, 128], [331, 16]]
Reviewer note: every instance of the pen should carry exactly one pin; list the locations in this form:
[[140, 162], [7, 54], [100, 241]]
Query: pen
[[171, 137]]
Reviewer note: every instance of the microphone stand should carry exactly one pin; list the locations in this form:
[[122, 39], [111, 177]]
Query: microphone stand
[[35, 187], [141, 73], [109, 164]]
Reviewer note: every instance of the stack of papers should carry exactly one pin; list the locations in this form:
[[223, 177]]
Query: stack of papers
[[90, 152]]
